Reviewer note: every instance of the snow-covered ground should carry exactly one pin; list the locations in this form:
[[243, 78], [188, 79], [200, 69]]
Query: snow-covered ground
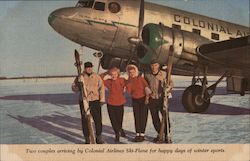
[[46, 111]]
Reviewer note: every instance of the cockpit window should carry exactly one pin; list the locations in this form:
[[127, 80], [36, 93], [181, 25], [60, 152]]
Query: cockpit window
[[85, 3], [99, 6], [114, 7]]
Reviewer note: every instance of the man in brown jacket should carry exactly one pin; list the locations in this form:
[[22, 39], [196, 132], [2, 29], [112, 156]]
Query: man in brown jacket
[[95, 96]]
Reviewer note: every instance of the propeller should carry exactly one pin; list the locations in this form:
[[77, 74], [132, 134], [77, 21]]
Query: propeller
[[141, 20], [138, 41]]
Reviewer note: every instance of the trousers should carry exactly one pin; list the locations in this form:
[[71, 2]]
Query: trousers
[[95, 110], [140, 111], [156, 107], [116, 117]]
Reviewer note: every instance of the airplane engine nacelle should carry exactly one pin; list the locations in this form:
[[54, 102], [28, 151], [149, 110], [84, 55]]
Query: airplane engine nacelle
[[159, 38]]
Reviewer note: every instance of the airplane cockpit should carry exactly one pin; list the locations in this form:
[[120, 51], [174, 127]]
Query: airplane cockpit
[[85, 3], [113, 7]]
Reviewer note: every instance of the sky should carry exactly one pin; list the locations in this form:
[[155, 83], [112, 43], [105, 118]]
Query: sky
[[30, 47]]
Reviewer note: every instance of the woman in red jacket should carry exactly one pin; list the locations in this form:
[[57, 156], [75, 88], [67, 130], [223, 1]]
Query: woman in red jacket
[[137, 87], [116, 100]]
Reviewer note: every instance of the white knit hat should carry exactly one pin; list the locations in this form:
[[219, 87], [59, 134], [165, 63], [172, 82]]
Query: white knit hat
[[133, 66]]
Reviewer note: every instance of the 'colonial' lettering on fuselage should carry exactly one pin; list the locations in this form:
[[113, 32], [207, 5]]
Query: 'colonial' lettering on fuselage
[[208, 25]]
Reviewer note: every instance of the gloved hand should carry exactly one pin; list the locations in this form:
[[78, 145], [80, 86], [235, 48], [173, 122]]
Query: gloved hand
[[146, 100], [168, 89], [74, 87], [147, 90], [80, 79], [168, 92], [169, 95]]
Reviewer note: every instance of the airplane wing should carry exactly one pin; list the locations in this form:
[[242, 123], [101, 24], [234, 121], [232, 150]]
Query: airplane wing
[[233, 53]]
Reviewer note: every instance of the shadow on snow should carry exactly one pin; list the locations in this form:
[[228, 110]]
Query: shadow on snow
[[60, 124], [175, 103]]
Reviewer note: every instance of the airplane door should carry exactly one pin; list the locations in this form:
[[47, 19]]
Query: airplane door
[[111, 29], [105, 24]]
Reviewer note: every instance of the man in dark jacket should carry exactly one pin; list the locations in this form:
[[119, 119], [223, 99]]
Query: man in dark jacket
[[155, 80]]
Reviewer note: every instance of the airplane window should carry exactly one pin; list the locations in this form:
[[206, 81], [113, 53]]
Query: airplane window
[[85, 3], [215, 36], [176, 26], [114, 7], [99, 6], [197, 31]]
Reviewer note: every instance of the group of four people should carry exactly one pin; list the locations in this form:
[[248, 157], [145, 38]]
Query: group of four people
[[146, 93]]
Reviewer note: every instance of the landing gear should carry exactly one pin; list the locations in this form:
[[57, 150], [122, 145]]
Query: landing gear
[[196, 98], [243, 86], [193, 101]]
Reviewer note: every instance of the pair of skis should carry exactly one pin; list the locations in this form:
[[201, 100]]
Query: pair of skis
[[165, 135], [83, 93]]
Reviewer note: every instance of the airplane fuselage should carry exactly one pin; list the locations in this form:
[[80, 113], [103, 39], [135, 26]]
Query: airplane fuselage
[[131, 30], [109, 32]]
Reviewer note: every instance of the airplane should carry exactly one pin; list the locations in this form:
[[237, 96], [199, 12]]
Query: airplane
[[128, 31]]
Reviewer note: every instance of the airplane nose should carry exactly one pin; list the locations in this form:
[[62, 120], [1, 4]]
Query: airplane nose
[[54, 15], [65, 21], [58, 15]]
